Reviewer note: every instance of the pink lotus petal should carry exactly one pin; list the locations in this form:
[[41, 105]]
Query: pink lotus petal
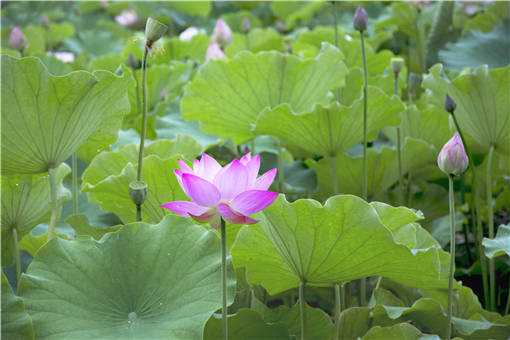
[[185, 208], [232, 179], [264, 181], [253, 167], [185, 168], [233, 217], [178, 175], [209, 166], [245, 159], [200, 191], [252, 201]]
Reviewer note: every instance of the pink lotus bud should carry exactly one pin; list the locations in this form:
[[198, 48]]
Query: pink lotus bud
[[214, 51], [360, 20], [188, 33], [222, 33], [127, 18], [65, 57], [17, 38], [246, 25], [452, 159]]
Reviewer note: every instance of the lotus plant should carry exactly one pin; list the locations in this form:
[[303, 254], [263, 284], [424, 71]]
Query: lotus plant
[[453, 161], [218, 194], [222, 33]]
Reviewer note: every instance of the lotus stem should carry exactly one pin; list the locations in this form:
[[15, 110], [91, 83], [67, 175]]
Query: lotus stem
[[479, 227], [224, 311], [281, 174], [74, 166], [17, 255], [335, 23], [54, 203], [452, 255], [507, 308], [363, 281], [399, 144], [338, 311], [490, 222], [302, 308], [334, 179]]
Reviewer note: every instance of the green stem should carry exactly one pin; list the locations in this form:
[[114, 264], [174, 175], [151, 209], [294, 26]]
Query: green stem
[[335, 23], [452, 256], [54, 203], [490, 222], [399, 145], [481, 254], [479, 227], [363, 281], [338, 310], [507, 308], [224, 310], [334, 178], [74, 166], [17, 256], [281, 174], [302, 308], [144, 119], [343, 297]]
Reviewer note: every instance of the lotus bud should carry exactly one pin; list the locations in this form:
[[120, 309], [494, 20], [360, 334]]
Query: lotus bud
[[133, 63], [188, 33], [449, 104], [246, 25], [138, 192], [360, 20], [222, 33], [397, 64], [127, 18], [452, 159], [214, 51], [17, 38], [154, 30]]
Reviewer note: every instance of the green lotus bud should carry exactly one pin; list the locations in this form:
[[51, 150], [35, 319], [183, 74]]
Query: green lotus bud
[[449, 104], [360, 20], [154, 30], [138, 192], [397, 64]]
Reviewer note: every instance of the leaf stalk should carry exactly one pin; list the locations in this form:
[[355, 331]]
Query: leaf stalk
[[224, 311], [451, 202]]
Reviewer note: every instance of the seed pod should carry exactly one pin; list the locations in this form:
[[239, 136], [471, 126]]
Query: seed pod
[[154, 30], [138, 192], [397, 64]]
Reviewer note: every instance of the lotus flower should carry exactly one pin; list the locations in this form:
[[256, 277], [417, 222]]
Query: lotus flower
[[189, 33], [65, 57], [214, 51], [232, 192], [222, 33], [452, 159]]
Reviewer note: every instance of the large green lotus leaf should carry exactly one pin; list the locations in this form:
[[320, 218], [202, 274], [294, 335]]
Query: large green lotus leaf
[[318, 324], [308, 44], [156, 282], [256, 40], [16, 323], [82, 226], [176, 49], [401, 331], [482, 103], [26, 203], [111, 163], [382, 169], [500, 245], [321, 245], [46, 118], [479, 48], [112, 193], [295, 12], [228, 95], [246, 324], [354, 323], [330, 130]]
